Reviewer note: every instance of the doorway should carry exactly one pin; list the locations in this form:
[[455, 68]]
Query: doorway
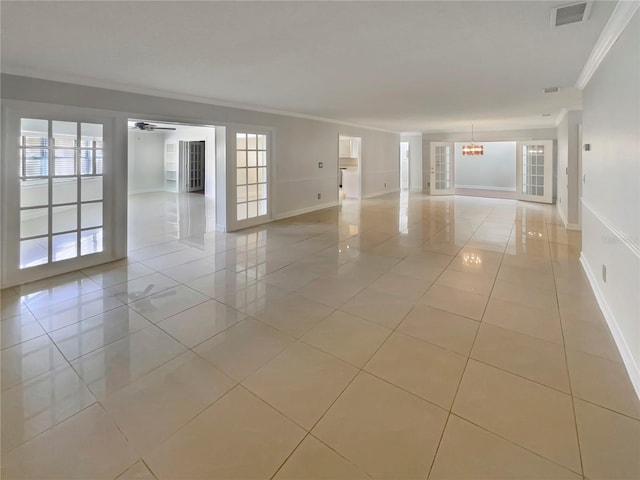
[[349, 167], [492, 174], [171, 182], [404, 165]]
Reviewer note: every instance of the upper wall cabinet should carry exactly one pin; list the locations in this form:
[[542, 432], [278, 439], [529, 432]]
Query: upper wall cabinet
[[348, 148]]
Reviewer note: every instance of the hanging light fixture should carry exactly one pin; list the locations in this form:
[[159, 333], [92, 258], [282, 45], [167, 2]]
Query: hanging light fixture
[[472, 148]]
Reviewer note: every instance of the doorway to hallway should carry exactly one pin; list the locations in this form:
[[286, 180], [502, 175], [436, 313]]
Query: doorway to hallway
[[171, 182], [404, 165], [349, 167]]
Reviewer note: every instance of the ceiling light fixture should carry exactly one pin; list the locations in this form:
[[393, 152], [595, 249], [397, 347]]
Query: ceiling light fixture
[[472, 148]]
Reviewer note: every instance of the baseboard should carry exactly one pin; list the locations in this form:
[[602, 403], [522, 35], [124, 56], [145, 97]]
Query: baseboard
[[302, 211], [386, 191], [484, 187], [574, 226], [633, 369], [562, 217], [147, 190], [415, 189]]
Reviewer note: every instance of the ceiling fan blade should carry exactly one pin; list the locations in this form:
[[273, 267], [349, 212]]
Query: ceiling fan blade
[[163, 128]]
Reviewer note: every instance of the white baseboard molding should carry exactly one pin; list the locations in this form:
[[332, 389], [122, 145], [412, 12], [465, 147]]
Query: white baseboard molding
[[147, 190], [416, 189], [633, 369], [562, 216], [485, 187], [302, 211], [382, 192], [574, 226]]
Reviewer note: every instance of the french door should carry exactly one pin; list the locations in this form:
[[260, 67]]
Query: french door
[[442, 169], [192, 161], [534, 171], [251, 179], [56, 194]]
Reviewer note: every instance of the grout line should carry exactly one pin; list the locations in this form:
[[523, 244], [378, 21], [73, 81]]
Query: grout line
[[566, 360], [435, 455]]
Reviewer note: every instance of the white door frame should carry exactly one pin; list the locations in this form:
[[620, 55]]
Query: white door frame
[[433, 190], [114, 189], [233, 223], [521, 191]]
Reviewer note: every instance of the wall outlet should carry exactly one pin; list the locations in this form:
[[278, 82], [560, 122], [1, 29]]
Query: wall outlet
[[320, 164], [319, 196], [604, 273]]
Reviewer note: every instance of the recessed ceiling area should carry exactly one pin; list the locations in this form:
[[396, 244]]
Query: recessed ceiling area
[[402, 66]]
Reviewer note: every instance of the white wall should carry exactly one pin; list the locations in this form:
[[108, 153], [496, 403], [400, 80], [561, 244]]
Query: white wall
[[611, 192], [568, 155], [415, 160], [298, 143], [496, 169], [487, 136], [146, 161]]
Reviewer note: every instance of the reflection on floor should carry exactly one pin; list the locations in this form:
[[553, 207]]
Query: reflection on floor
[[159, 217], [402, 336]]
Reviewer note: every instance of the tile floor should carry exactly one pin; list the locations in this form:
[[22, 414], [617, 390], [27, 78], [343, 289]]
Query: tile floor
[[401, 337]]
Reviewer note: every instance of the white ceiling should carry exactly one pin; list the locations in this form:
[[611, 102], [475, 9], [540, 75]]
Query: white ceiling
[[403, 66]]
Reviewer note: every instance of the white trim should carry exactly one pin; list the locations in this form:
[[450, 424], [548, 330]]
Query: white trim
[[574, 226], [560, 117], [302, 211], [633, 369], [486, 187], [381, 192], [562, 216], [624, 239], [95, 83], [148, 190], [620, 17]]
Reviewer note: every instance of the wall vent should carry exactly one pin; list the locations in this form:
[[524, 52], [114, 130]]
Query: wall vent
[[550, 90], [572, 13]]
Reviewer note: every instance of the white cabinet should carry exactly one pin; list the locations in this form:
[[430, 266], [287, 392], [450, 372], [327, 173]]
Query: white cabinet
[[170, 168], [348, 148], [351, 183]]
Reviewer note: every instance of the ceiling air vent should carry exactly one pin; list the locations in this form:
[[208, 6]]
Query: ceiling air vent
[[572, 13]]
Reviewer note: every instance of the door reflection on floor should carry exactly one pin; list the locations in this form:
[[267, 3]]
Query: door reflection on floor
[[159, 217]]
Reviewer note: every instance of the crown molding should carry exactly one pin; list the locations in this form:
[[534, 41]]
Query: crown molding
[[620, 17], [120, 87], [565, 111]]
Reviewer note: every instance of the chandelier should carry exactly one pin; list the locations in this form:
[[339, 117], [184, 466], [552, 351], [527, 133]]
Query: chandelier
[[472, 148]]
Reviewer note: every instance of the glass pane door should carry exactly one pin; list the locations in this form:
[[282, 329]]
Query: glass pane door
[[442, 172], [251, 176], [61, 190], [534, 171]]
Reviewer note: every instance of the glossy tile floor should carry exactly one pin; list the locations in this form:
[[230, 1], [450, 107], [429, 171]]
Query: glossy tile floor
[[401, 337]]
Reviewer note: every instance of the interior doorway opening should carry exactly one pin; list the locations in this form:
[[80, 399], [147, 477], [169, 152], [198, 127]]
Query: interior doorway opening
[[349, 167], [492, 174], [171, 187]]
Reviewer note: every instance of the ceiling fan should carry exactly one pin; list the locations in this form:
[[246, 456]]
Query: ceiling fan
[[149, 127]]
